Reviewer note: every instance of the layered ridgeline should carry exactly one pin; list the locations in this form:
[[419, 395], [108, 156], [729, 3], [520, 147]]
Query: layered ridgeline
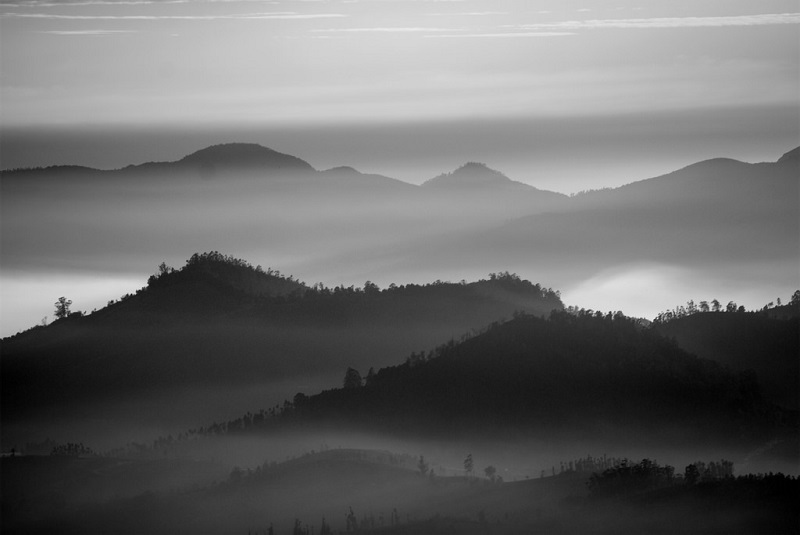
[[765, 342], [718, 222], [721, 223], [238, 196], [475, 186], [570, 380], [585, 377], [220, 322]]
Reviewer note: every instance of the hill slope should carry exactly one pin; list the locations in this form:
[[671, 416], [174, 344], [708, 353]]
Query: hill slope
[[566, 376], [746, 341], [473, 175], [219, 323], [243, 156], [722, 221], [235, 196]]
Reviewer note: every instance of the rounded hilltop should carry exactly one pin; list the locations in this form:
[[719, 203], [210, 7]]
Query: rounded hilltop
[[244, 155]]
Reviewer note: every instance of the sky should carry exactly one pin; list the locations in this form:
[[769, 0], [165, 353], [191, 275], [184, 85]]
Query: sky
[[565, 95], [406, 88]]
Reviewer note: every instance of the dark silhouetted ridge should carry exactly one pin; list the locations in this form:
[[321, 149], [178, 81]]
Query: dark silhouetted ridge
[[342, 170], [234, 279], [51, 169], [219, 320], [791, 156], [244, 156], [530, 375], [743, 341]]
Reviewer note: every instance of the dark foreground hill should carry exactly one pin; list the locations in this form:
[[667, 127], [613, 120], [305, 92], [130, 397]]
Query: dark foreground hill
[[585, 377], [364, 491], [765, 342], [221, 323]]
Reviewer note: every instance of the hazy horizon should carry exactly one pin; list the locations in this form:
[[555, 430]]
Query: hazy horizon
[[641, 160], [564, 96], [539, 151], [561, 95]]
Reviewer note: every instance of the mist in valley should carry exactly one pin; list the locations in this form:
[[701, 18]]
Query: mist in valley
[[222, 396], [343, 227], [358, 482], [502, 426], [401, 267]]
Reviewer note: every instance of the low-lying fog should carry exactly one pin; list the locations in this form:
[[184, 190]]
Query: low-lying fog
[[94, 237]]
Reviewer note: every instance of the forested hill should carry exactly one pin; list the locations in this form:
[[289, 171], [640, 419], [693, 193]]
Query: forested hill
[[219, 321], [587, 374], [220, 288], [767, 342]]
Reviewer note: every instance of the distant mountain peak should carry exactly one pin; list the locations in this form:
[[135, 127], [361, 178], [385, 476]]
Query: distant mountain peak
[[471, 174], [244, 155], [713, 164], [342, 170], [477, 166]]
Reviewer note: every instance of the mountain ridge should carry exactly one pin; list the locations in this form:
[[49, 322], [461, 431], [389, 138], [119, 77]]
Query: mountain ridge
[[223, 322], [240, 156], [743, 341], [473, 175], [244, 155], [534, 376], [792, 156], [352, 223]]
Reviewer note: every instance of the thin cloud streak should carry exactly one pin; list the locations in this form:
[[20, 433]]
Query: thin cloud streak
[[389, 29], [506, 34], [87, 32], [243, 16], [411, 1], [84, 3], [470, 14], [669, 22]]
